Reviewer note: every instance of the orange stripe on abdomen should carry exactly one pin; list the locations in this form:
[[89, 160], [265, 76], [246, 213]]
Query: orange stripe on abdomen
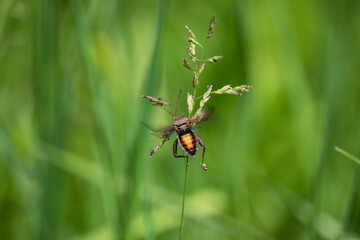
[[188, 142]]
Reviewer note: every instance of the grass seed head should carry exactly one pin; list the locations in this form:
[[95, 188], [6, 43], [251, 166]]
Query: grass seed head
[[227, 89], [192, 40], [243, 88], [158, 146], [186, 64], [211, 27], [190, 102], [191, 49], [190, 32], [156, 101], [196, 79], [214, 59], [201, 68]]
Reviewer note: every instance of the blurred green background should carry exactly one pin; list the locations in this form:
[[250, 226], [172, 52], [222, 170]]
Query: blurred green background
[[74, 157]]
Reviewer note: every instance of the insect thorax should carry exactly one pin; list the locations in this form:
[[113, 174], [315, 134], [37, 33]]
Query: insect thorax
[[181, 124], [180, 121]]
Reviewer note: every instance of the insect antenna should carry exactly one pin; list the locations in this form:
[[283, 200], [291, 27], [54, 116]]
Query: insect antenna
[[166, 110], [177, 102]]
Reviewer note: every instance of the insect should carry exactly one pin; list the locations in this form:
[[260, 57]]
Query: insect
[[188, 140]]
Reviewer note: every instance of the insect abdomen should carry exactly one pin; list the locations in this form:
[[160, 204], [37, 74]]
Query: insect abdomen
[[188, 142]]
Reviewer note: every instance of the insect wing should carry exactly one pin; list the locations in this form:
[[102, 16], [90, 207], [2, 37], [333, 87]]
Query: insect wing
[[167, 131], [203, 116], [163, 132]]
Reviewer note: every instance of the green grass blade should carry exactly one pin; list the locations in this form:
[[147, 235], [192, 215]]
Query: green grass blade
[[139, 165], [348, 155], [102, 122]]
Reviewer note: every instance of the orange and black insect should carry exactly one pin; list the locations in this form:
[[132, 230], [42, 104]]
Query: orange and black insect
[[188, 140]]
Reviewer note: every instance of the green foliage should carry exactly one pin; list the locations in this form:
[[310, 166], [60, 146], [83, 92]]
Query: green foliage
[[74, 159]]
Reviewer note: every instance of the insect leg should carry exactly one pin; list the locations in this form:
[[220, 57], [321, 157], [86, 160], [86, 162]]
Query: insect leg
[[203, 154], [175, 150]]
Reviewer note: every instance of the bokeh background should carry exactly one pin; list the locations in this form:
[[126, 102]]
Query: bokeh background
[[74, 156]]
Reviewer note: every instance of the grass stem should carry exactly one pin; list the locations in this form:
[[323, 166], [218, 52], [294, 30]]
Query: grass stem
[[348, 155], [183, 204]]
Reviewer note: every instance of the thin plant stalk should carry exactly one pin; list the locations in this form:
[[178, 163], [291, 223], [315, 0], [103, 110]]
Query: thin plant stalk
[[347, 154], [200, 115], [184, 195]]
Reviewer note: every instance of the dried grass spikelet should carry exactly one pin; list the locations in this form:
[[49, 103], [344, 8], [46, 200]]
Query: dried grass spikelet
[[206, 97], [192, 40], [201, 68], [192, 52], [196, 79], [190, 102], [190, 32], [186, 64], [211, 27], [156, 101], [227, 89], [242, 88], [214, 59], [159, 146]]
